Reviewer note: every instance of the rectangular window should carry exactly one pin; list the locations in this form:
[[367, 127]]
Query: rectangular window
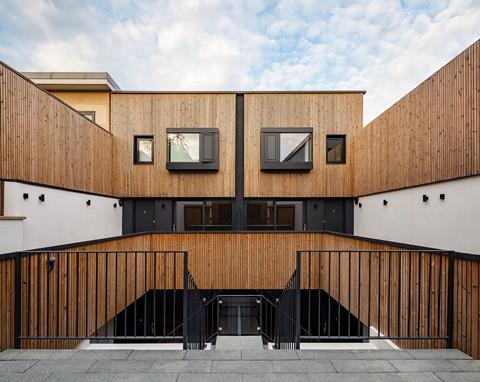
[[207, 215], [274, 215], [192, 149], [143, 149], [336, 149], [88, 114], [286, 149]]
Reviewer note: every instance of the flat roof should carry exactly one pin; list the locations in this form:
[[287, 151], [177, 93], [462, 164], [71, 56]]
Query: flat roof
[[241, 92], [86, 81]]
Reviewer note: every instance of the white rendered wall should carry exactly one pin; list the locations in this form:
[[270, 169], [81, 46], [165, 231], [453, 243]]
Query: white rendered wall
[[63, 218], [452, 224], [11, 235]]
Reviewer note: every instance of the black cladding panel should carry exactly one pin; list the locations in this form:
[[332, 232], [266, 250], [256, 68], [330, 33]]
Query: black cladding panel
[[144, 215]]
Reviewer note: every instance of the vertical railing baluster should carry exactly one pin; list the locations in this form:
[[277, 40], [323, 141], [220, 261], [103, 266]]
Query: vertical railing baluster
[[165, 293], [369, 291], [450, 298], [309, 290], [96, 294], [359, 289], [329, 317], [87, 334], [135, 297], [67, 292], [389, 296], [115, 322], [106, 294], [154, 329], [379, 293], [145, 294], [399, 296], [419, 293], [349, 290], [125, 315], [429, 292], [29, 289], [409, 313]]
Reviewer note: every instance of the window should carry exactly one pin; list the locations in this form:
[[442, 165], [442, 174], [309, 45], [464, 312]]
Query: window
[[274, 216], [204, 215], [88, 114], [143, 149], [286, 149], [336, 149], [192, 149]]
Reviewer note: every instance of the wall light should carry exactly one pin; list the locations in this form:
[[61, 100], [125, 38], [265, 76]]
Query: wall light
[[359, 205], [114, 205], [25, 196], [41, 197], [442, 196], [356, 200], [385, 202], [425, 198], [89, 202], [120, 202]]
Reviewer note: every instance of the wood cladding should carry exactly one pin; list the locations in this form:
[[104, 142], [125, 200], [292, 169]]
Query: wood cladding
[[326, 114], [44, 141], [430, 135], [266, 261], [152, 114]]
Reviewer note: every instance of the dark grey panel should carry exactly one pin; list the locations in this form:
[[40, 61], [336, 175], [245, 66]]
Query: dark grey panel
[[314, 214], [127, 216], [163, 215], [239, 205], [144, 215], [349, 216], [334, 215]]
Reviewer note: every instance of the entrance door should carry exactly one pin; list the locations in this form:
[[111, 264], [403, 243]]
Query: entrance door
[[144, 215], [238, 315]]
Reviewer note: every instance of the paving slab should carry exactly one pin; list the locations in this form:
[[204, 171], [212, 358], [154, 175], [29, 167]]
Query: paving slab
[[67, 366], [363, 366], [382, 354], [266, 355], [120, 366], [45, 354], [225, 355], [276, 377], [208, 377], [157, 354], [182, 366], [374, 377], [102, 354], [23, 377], [9, 354], [438, 354], [145, 377], [459, 377], [303, 366], [424, 365], [80, 377], [15, 366], [242, 367], [466, 364], [325, 354]]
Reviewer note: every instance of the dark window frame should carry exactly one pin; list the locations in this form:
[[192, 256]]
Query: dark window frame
[[343, 159], [275, 164], [135, 151], [203, 203], [205, 164], [275, 204], [89, 112]]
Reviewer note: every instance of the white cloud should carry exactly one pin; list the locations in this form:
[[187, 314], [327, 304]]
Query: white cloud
[[383, 46]]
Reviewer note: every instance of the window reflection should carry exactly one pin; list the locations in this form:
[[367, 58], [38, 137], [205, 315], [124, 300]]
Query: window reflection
[[183, 147]]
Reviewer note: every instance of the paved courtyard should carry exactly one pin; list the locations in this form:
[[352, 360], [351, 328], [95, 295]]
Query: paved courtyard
[[238, 365]]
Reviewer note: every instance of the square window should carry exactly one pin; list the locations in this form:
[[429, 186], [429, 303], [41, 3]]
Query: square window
[[204, 215], [88, 114], [286, 149], [143, 149], [192, 149], [336, 149]]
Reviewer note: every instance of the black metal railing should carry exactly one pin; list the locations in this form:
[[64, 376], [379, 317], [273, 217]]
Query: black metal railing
[[267, 317], [194, 305], [119, 296], [357, 295], [287, 330]]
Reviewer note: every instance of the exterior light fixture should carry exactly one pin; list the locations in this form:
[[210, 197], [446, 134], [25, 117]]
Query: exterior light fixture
[[359, 205], [442, 196], [89, 202], [385, 202], [120, 202], [114, 205], [25, 196], [425, 198], [41, 197], [356, 201]]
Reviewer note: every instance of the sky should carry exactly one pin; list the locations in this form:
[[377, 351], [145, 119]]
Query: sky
[[385, 47]]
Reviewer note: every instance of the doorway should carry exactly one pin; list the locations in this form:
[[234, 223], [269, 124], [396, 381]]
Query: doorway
[[238, 315]]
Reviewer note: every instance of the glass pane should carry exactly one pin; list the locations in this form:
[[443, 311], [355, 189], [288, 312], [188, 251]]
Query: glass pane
[[286, 218], [260, 216], [184, 147], [193, 218], [295, 147], [335, 149], [218, 216], [144, 149]]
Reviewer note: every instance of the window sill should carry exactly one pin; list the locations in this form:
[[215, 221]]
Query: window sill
[[192, 166], [275, 166]]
